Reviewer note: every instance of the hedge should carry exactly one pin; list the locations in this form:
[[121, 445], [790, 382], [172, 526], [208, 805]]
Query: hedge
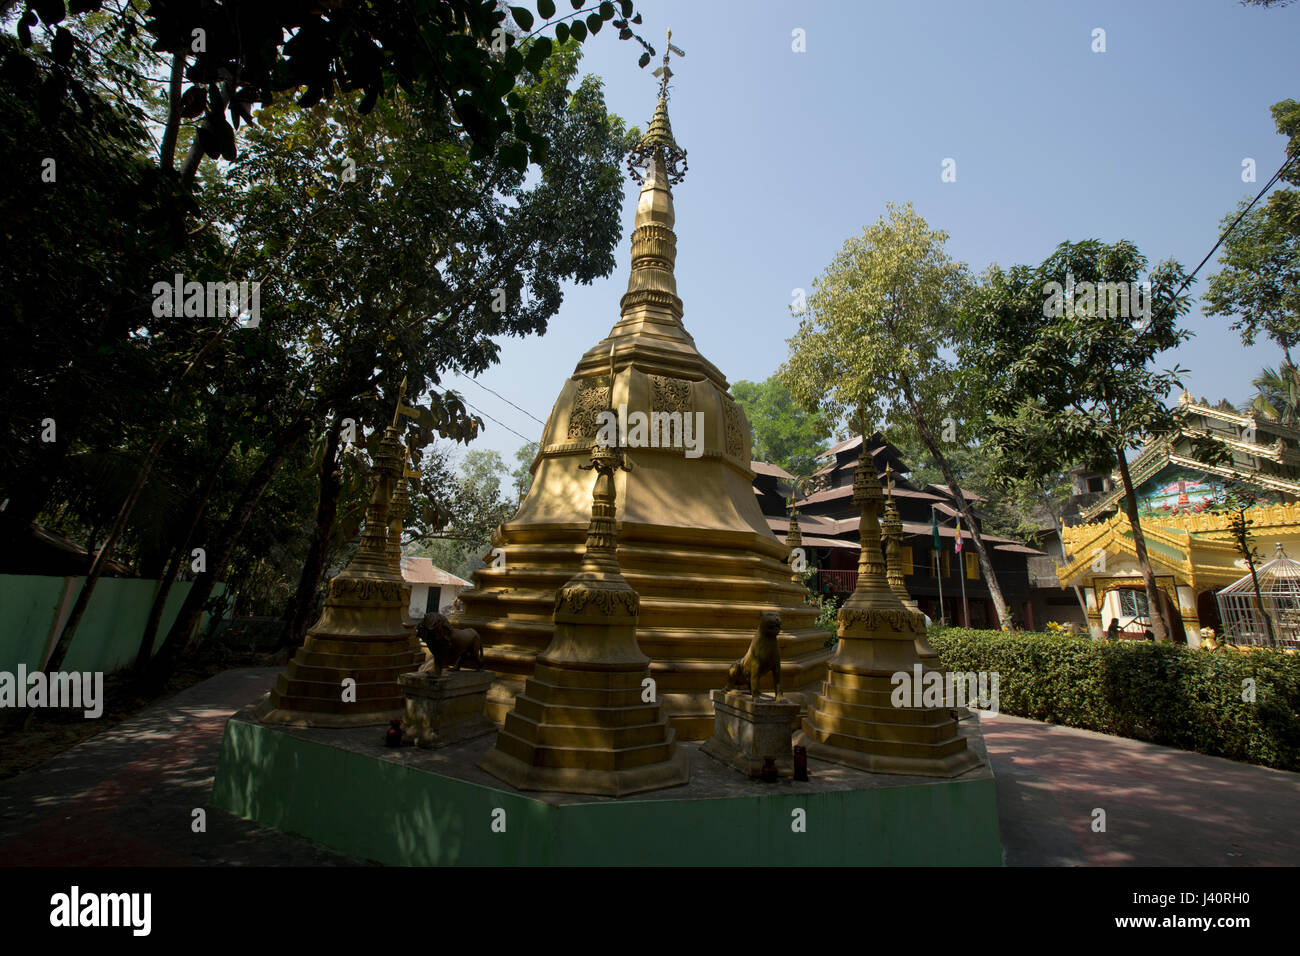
[[1163, 693]]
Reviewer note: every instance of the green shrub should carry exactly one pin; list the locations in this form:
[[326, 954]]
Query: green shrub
[[1165, 693], [827, 616]]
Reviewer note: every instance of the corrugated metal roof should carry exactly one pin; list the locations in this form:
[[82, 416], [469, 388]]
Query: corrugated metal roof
[[423, 571]]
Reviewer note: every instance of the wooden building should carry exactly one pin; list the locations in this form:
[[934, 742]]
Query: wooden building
[[828, 521]]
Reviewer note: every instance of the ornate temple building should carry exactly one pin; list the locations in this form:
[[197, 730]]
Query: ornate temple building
[[828, 522], [1180, 498], [693, 541]]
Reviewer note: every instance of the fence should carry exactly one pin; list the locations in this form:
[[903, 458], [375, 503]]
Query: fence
[[34, 607], [841, 582]]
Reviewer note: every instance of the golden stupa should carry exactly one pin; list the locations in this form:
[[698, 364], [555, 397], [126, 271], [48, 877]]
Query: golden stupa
[[585, 721], [692, 540], [360, 636], [855, 721]]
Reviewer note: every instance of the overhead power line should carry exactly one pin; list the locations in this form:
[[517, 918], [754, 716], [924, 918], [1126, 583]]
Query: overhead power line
[[1227, 232], [503, 398], [494, 421]]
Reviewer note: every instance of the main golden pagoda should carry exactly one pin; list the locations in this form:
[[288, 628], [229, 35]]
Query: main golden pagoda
[[692, 540]]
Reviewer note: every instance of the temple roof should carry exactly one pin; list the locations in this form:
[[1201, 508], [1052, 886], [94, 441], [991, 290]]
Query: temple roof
[[767, 468], [1274, 465]]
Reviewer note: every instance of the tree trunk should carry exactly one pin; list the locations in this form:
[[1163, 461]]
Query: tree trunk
[[986, 565], [101, 557], [192, 609], [150, 635], [1244, 544], [90, 546], [167, 151], [296, 615], [1157, 607]]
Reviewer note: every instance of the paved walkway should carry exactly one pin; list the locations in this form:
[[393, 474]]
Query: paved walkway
[[127, 797], [1163, 807]]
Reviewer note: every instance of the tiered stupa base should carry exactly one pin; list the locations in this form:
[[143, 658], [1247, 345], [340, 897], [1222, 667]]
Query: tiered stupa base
[[586, 731], [588, 720], [311, 688], [852, 722], [700, 605]]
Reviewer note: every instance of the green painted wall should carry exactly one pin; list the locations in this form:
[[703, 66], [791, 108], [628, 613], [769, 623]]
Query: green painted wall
[[378, 809], [108, 636], [27, 607]]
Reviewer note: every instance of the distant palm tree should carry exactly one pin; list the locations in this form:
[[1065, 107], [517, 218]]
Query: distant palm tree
[[1279, 394]]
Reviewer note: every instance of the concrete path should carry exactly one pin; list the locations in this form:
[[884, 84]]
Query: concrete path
[[127, 796], [1163, 807]]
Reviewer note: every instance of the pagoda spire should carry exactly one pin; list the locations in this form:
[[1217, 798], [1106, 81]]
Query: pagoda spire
[[649, 333], [658, 163]]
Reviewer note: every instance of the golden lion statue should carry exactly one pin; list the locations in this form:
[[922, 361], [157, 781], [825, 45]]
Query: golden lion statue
[[763, 656], [449, 646]]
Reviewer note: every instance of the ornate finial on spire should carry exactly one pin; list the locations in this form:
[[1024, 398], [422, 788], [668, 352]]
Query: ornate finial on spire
[[658, 143], [664, 73]]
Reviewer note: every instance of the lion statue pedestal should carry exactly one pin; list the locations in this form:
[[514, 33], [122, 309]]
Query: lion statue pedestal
[[445, 708], [747, 729]]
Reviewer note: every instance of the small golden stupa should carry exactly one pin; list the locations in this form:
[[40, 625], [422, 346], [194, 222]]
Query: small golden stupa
[[853, 720], [693, 541], [588, 720], [891, 529], [360, 636]]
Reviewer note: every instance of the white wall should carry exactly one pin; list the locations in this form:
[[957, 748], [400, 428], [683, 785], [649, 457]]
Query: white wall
[[419, 600]]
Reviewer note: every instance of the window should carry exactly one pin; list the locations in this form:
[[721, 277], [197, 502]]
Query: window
[[906, 555], [1096, 484], [972, 566], [1133, 604]]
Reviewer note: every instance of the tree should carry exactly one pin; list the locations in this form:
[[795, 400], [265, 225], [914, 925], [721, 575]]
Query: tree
[[785, 433], [1259, 283], [1060, 360], [1237, 500], [870, 345], [523, 473], [464, 55], [1278, 394], [476, 503]]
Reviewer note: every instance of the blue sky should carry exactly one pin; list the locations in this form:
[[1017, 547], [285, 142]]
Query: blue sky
[[792, 153]]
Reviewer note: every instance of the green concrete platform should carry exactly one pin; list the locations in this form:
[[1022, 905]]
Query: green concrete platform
[[344, 789]]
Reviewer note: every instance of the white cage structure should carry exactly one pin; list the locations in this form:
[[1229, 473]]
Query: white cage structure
[[1245, 622]]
